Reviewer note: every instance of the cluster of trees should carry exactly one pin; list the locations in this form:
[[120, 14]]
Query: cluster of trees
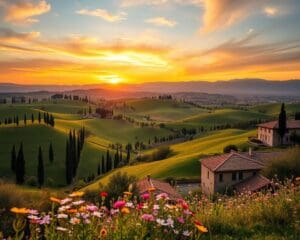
[[104, 113], [48, 119], [74, 147], [18, 164], [165, 97]]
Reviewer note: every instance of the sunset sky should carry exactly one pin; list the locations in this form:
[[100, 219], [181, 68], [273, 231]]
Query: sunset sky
[[135, 41]]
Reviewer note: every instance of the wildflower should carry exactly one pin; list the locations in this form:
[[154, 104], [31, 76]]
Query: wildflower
[[151, 189], [163, 196], [82, 209], [33, 217], [297, 179], [45, 220], [33, 212], [156, 207], [62, 215], [103, 194], [180, 220], [91, 208], [74, 221], [129, 204], [61, 229], [145, 196], [76, 194], [127, 193], [186, 233], [19, 210], [202, 228], [54, 199], [119, 204], [97, 214], [66, 200], [148, 217], [72, 210], [125, 210], [76, 203], [103, 232]]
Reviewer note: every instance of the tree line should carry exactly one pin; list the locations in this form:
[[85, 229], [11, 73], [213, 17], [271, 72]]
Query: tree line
[[48, 119]]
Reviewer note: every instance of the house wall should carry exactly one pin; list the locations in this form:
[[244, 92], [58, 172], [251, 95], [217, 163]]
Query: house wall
[[227, 180], [207, 180], [270, 137]]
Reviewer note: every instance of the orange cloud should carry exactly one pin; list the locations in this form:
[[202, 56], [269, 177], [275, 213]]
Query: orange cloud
[[161, 21], [271, 11], [22, 12], [104, 14], [7, 34]]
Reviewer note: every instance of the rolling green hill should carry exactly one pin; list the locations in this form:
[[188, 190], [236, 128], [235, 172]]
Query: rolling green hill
[[274, 108], [184, 162]]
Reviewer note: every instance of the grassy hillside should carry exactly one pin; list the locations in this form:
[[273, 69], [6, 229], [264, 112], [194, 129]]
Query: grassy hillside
[[274, 108], [184, 162], [219, 117], [160, 110]]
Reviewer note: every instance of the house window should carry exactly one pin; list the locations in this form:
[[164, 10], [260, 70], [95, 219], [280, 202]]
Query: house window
[[241, 176], [221, 177], [208, 174], [233, 176]]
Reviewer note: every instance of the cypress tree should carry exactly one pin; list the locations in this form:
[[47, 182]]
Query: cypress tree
[[39, 117], [40, 168], [51, 154], [68, 164], [13, 158], [99, 169], [17, 120], [32, 118], [108, 162], [282, 122], [103, 164], [20, 166], [25, 119]]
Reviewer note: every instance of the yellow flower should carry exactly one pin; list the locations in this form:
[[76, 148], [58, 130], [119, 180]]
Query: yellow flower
[[151, 189], [103, 232], [19, 210], [201, 228], [76, 194], [125, 210], [128, 193], [82, 209], [54, 199]]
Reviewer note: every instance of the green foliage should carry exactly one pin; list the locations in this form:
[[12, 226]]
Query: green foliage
[[161, 153], [230, 147], [119, 183], [32, 181], [286, 165]]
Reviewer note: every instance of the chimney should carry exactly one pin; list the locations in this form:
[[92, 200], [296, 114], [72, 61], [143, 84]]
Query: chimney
[[148, 178], [250, 152]]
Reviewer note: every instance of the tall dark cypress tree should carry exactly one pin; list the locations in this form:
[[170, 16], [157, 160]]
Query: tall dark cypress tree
[[51, 154], [25, 119], [32, 118], [20, 166], [13, 158], [40, 168], [69, 169], [282, 122], [103, 164], [99, 169], [39, 117], [108, 162]]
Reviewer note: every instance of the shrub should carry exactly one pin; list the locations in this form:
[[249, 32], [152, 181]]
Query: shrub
[[286, 165], [161, 153], [230, 147]]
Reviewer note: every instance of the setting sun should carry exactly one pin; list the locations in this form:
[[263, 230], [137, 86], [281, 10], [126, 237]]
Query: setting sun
[[111, 79]]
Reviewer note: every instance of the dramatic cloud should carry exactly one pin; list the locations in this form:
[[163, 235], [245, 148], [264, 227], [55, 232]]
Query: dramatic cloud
[[104, 14], [129, 3], [161, 21], [23, 12]]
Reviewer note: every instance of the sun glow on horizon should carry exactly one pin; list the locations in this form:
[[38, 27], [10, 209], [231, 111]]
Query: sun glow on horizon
[[111, 79]]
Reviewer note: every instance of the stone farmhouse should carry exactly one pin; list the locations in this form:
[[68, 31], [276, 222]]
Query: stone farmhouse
[[268, 133], [236, 171]]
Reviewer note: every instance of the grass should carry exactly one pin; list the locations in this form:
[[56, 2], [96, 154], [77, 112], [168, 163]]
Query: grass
[[274, 108], [184, 162], [161, 110]]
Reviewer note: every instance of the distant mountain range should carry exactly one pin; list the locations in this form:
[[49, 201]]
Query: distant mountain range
[[236, 87]]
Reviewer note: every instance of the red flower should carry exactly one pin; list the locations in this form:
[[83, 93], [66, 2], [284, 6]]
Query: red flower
[[103, 194]]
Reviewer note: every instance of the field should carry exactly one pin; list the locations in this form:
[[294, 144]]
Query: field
[[101, 133]]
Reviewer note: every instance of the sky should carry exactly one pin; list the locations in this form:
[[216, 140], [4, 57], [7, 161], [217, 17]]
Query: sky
[[136, 41]]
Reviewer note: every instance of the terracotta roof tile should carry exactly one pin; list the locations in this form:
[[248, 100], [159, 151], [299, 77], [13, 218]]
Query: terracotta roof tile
[[160, 186], [252, 184], [290, 124], [231, 162]]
